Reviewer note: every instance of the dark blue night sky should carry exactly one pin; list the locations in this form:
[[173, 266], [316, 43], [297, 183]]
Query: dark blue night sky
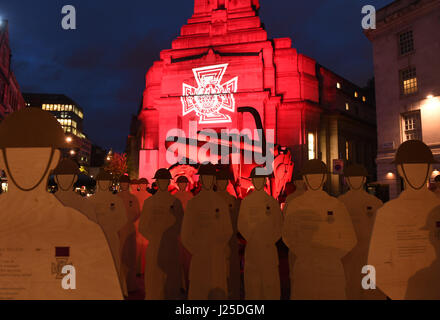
[[102, 64]]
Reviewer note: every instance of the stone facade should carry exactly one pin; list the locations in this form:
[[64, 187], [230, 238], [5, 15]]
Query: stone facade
[[406, 46], [288, 89], [10, 96]]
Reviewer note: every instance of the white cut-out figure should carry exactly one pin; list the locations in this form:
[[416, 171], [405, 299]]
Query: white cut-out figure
[[425, 283], [128, 234], [319, 232], [139, 188], [38, 234], [233, 260], [160, 224], [184, 196], [260, 223], [66, 175], [300, 189], [362, 207], [400, 246], [111, 216], [206, 233]]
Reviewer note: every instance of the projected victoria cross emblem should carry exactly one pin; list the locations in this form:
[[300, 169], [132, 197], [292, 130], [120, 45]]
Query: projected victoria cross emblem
[[210, 97]]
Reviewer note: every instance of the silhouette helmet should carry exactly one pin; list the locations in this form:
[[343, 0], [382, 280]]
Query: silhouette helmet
[[32, 128], [143, 181], [182, 179], [207, 169], [355, 170], [66, 167], [314, 167], [414, 151], [163, 174], [255, 175]]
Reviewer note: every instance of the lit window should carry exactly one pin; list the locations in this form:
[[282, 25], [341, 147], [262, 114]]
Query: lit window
[[364, 99], [356, 94], [347, 150], [338, 85], [406, 42], [43, 107], [311, 140], [408, 81], [347, 106], [412, 126], [81, 115]]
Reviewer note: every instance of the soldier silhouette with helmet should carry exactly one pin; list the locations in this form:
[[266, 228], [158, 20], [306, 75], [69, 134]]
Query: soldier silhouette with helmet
[[183, 194], [206, 232], [110, 215], [362, 207], [260, 223], [37, 229], [160, 224], [399, 246], [128, 233], [139, 188], [319, 232], [223, 178], [300, 189], [66, 174]]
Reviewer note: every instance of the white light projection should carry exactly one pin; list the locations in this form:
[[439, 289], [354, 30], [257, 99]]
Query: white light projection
[[210, 97]]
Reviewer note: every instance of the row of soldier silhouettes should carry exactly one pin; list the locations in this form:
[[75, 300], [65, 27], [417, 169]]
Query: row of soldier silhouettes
[[192, 241]]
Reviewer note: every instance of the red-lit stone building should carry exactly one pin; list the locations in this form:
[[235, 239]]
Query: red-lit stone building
[[223, 61], [10, 96]]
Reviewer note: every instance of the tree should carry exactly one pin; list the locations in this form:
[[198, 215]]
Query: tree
[[117, 164]]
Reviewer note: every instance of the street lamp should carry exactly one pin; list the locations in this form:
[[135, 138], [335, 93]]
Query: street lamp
[[69, 139]]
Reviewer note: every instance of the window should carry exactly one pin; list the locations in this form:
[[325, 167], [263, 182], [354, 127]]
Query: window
[[311, 140], [347, 106], [338, 85], [412, 126], [406, 43], [347, 150], [356, 94], [364, 99], [408, 81]]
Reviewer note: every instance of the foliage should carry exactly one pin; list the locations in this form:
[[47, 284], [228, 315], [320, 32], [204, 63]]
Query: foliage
[[117, 165]]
